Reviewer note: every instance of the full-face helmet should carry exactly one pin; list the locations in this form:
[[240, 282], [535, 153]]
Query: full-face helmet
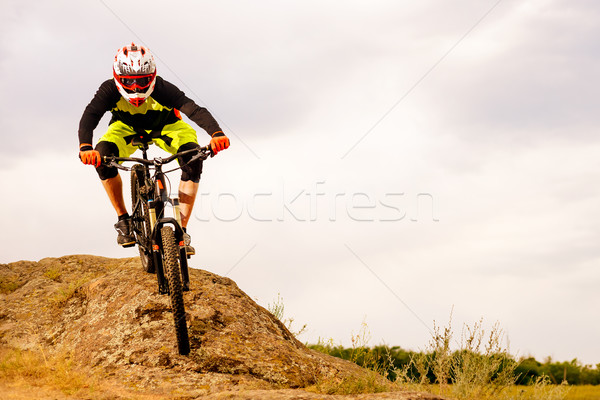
[[134, 71]]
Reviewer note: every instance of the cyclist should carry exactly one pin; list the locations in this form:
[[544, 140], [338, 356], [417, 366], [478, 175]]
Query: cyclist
[[143, 103]]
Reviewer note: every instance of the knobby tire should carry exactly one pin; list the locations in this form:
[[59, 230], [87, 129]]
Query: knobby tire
[[173, 275], [141, 219]]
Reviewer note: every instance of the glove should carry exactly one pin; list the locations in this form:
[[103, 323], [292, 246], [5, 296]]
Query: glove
[[219, 142], [89, 156]]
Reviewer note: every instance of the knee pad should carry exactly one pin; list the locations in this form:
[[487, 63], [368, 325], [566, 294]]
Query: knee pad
[[107, 149], [193, 170]]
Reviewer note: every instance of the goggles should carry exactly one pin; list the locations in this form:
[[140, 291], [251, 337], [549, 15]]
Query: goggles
[[134, 83]]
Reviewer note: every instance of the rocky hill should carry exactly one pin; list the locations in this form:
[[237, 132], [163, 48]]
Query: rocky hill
[[107, 317]]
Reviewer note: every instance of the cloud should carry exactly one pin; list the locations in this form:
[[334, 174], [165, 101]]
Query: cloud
[[523, 79], [492, 156]]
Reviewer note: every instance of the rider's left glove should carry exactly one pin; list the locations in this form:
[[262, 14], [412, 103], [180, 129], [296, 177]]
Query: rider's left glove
[[218, 142], [89, 156]]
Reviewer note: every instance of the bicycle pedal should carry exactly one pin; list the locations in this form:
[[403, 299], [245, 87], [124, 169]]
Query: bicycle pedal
[[128, 245]]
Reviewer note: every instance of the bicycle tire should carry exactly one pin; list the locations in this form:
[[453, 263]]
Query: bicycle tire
[[141, 219], [173, 275]]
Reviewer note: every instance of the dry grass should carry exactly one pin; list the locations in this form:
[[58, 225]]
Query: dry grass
[[28, 368], [9, 284], [68, 290], [542, 389], [277, 308], [374, 378], [34, 375], [583, 392], [481, 368], [370, 382], [53, 273]]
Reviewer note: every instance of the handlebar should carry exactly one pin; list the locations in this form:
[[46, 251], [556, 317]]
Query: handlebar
[[202, 153]]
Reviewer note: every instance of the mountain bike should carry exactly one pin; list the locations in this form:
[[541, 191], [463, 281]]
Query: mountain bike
[[160, 238]]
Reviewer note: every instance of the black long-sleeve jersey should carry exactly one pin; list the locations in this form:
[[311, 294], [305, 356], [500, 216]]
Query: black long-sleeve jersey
[[159, 109]]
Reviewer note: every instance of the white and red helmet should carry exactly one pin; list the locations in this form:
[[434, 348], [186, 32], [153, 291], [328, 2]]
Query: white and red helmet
[[134, 71]]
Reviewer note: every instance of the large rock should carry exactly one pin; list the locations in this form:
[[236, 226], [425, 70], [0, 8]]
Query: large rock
[[108, 314]]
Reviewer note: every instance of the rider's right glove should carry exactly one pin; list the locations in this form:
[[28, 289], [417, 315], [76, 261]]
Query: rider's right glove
[[89, 156]]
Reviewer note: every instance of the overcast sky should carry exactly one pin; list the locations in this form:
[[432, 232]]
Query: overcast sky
[[390, 161]]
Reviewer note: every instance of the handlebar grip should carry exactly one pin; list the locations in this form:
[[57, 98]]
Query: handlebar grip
[[207, 149]]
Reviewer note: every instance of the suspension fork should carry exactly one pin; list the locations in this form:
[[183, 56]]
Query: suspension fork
[[157, 207], [157, 210], [156, 252]]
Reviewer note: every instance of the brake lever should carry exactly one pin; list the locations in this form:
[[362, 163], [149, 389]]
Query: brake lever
[[119, 166], [199, 156], [109, 161]]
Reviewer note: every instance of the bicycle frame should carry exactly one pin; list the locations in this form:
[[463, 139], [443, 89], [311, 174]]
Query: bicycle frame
[[158, 198]]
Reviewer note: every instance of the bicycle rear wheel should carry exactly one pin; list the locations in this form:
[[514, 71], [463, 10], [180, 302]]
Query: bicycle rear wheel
[[141, 218], [173, 274]]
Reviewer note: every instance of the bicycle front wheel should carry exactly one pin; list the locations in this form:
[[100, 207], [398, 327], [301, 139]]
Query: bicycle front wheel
[[173, 275]]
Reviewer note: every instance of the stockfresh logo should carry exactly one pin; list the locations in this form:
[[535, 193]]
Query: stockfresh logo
[[318, 202]]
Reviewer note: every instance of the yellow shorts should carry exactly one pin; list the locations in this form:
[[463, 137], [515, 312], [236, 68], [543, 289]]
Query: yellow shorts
[[170, 138]]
